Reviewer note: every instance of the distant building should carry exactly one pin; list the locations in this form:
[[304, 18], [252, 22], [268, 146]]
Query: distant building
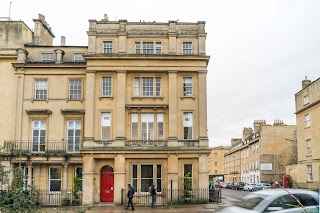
[[216, 163], [262, 153], [306, 173], [131, 107]]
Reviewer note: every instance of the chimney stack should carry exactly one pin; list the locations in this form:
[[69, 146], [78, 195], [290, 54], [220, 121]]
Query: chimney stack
[[257, 125], [305, 82], [63, 41], [247, 131]]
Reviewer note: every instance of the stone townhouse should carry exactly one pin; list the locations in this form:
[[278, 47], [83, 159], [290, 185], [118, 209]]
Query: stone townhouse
[[131, 107], [306, 173], [262, 153]]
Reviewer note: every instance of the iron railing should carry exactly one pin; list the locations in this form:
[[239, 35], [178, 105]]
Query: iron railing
[[50, 198], [43, 147], [174, 196]]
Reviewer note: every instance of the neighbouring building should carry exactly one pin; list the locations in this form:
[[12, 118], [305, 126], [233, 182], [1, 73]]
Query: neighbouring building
[[306, 173], [216, 163], [131, 107], [262, 153]]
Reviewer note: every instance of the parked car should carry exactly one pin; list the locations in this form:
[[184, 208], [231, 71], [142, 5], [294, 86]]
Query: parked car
[[228, 185], [261, 186], [238, 185], [278, 200], [221, 185], [249, 187]]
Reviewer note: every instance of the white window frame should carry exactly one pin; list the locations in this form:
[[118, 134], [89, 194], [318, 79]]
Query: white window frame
[[47, 57], [106, 86], [136, 179], [78, 57], [309, 173], [187, 86], [307, 120], [54, 179], [73, 145], [137, 47], [147, 48], [308, 147], [160, 126], [187, 48], [188, 123], [152, 130], [158, 48], [107, 47], [143, 87], [40, 89], [147, 126], [38, 135], [75, 89], [106, 122]]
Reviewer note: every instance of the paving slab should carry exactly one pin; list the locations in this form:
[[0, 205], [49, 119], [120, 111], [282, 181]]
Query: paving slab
[[120, 209]]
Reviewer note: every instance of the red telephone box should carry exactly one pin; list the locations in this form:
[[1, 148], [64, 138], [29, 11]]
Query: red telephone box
[[286, 181]]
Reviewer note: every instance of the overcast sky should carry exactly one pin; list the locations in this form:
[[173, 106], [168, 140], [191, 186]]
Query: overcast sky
[[260, 50]]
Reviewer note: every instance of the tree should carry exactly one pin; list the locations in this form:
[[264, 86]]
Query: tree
[[19, 199]]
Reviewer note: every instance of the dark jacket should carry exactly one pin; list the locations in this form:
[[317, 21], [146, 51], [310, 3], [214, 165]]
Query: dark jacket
[[130, 192], [152, 190]]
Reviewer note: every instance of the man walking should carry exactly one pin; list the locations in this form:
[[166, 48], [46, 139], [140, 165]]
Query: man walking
[[153, 195], [130, 197]]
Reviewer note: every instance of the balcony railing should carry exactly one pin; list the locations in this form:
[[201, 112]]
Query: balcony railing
[[40, 147]]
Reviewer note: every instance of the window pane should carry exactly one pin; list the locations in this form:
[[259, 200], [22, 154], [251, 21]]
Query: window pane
[[158, 86], [106, 86], [40, 89], [75, 89], [187, 48], [187, 86], [188, 169], [146, 171], [137, 47], [134, 126], [136, 86], [107, 47], [147, 86], [147, 48]]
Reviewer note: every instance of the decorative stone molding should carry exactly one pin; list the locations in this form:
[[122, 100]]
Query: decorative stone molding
[[22, 55], [59, 56]]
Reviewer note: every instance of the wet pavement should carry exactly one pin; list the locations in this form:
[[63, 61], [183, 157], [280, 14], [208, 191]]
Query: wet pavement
[[111, 208]]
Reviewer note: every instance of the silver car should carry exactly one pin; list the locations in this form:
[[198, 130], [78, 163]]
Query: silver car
[[277, 200]]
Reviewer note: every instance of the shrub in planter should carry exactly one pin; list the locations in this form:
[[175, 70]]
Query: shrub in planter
[[76, 188]]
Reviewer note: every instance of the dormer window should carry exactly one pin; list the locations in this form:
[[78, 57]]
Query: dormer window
[[47, 57]]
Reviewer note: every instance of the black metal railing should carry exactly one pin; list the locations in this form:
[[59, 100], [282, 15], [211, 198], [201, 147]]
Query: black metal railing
[[48, 198], [174, 196], [57, 198], [32, 147]]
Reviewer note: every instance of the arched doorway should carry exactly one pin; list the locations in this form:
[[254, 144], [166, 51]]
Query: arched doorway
[[107, 184]]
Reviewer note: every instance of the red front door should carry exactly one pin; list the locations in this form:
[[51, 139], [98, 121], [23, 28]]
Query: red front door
[[106, 190]]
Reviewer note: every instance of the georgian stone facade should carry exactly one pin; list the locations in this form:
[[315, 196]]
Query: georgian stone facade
[[131, 107], [262, 153], [306, 173]]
